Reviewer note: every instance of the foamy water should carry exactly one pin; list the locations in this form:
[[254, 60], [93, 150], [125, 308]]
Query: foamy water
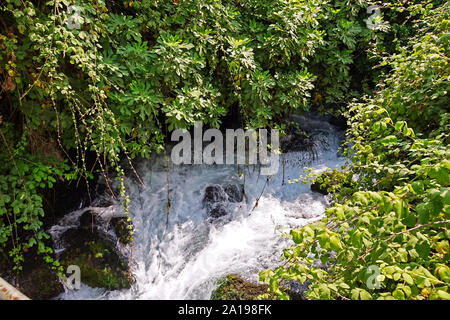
[[182, 257]]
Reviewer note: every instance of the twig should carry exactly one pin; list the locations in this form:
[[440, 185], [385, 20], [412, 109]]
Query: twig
[[405, 231]]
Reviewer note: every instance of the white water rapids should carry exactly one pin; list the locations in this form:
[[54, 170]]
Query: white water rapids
[[185, 258]]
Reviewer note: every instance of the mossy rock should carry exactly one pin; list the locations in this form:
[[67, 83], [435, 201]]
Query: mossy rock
[[37, 279], [123, 230], [41, 282], [234, 287], [100, 264]]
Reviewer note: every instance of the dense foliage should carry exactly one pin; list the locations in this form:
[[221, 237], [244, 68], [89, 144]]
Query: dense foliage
[[387, 234], [110, 80], [113, 78]]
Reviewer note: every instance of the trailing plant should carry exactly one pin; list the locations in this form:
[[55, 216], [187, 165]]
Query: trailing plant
[[112, 79]]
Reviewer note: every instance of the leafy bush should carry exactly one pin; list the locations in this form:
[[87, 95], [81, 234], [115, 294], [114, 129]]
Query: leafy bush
[[390, 238], [113, 78]]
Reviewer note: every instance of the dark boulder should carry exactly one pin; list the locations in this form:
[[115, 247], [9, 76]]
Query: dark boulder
[[39, 282], [216, 197], [297, 137], [37, 279], [100, 263], [217, 211], [339, 122], [214, 194], [234, 192], [89, 220]]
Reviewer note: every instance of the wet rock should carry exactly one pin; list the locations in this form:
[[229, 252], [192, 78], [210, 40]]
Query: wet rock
[[235, 193], [103, 201], [89, 220], [217, 211], [295, 289], [37, 279], [40, 282], [234, 287], [123, 229], [339, 121], [216, 197], [308, 124], [101, 265], [214, 194]]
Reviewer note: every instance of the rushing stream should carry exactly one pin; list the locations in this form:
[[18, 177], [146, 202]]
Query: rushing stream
[[184, 256]]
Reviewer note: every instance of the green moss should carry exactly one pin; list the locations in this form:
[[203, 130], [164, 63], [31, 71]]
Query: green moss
[[40, 283], [123, 230], [100, 264], [234, 287]]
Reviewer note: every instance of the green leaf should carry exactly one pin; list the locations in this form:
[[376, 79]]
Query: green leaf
[[410, 220], [443, 295], [31, 242], [355, 294], [424, 213], [389, 140], [335, 243], [444, 273], [443, 247], [297, 235], [365, 295], [418, 187], [408, 279], [398, 294]]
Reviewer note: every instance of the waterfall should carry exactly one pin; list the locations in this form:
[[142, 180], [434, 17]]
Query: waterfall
[[183, 258]]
